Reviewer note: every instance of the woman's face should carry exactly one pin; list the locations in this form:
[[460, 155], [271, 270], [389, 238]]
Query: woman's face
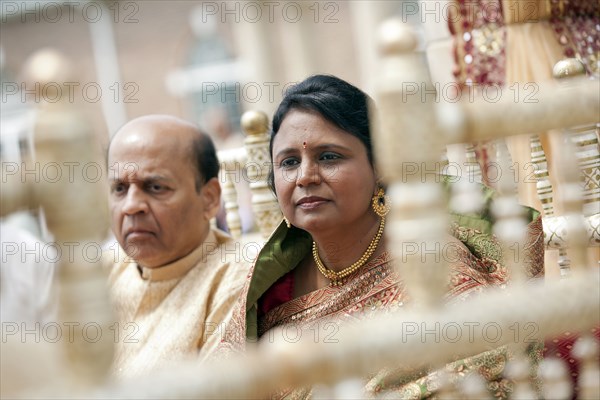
[[322, 174]]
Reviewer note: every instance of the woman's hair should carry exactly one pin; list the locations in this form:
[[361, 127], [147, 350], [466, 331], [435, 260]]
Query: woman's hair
[[339, 102]]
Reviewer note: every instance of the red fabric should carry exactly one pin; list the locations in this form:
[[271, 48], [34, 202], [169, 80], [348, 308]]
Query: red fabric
[[561, 347], [280, 292]]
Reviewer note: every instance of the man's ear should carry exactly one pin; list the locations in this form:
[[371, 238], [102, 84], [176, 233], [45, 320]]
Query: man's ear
[[211, 194]]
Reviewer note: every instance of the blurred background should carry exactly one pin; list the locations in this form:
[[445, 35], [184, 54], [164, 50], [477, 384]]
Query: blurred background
[[107, 62], [204, 61], [201, 60]]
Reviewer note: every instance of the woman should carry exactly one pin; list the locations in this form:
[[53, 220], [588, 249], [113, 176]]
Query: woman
[[328, 259]]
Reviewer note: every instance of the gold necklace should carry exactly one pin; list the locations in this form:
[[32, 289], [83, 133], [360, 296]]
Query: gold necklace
[[337, 278]]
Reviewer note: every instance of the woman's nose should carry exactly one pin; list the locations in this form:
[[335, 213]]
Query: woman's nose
[[308, 174]]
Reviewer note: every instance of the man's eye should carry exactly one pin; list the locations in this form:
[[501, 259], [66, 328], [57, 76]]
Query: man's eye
[[289, 162], [119, 188], [156, 188]]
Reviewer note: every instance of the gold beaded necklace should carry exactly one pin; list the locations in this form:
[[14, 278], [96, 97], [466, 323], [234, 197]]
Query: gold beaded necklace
[[337, 278]]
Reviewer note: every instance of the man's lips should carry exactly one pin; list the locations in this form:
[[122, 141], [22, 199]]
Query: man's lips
[[138, 234], [311, 202]]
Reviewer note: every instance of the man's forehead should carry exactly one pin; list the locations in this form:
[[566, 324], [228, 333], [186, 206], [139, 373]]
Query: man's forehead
[[140, 144], [150, 136], [145, 151], [156, 129], [133, 171], [150, 146]]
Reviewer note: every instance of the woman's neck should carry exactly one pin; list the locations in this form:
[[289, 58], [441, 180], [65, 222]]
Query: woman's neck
[[340, 247]]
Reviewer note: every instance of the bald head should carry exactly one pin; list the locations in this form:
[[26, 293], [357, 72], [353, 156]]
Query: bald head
[[176, 137]]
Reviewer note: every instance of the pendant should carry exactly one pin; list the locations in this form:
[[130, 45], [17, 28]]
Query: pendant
[[336, 282]]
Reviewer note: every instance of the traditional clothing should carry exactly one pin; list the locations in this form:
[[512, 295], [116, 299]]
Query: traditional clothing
[[174, 311], [516, 48], [267, 301]]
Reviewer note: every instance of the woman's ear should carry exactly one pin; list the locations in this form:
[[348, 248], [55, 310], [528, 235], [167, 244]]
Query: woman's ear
[[211, 193], [376, 173], [378, 180]]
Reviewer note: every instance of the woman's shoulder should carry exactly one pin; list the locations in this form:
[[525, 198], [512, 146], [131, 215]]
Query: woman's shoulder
[[483, 219]]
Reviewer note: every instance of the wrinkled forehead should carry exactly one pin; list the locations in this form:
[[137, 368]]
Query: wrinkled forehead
[[144, 170], [127, 171]]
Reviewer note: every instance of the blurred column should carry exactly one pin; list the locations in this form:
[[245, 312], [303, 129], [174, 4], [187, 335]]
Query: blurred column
[[107, 68], [366, 19], [298, 39], [257, 48]]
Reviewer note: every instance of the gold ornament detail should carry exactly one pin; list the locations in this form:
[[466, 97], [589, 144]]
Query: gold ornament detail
[[337, 278], [287, 222], [381, 203]]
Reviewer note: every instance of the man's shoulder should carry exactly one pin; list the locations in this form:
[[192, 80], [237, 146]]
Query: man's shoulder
[[235, 256], [234, 250]]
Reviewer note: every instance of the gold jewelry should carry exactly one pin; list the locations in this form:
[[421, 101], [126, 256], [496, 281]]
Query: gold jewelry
[[287, 222], [337, 278], [381, 203]]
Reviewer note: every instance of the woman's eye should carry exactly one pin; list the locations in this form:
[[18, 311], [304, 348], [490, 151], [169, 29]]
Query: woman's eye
[[330, 156], [289, 162]]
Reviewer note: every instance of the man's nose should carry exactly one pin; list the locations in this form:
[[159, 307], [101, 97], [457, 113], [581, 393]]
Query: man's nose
[[135, 201]]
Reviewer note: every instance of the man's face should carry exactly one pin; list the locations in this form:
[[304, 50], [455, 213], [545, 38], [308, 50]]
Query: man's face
[[156, 213]]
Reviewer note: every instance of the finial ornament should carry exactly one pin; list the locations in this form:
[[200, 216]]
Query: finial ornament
[[568, 68], [255, 123], [395, 37]]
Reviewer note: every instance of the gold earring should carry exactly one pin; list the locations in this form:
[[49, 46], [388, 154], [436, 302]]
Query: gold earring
[[287, 222], [381, 203]]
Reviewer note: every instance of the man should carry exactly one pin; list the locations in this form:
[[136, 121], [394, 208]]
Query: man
[[180, 278]]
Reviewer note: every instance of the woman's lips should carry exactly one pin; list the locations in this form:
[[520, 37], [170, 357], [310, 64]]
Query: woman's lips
[[311, 202]]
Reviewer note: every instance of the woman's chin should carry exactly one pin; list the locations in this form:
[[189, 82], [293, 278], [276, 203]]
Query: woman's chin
[[316, 224]]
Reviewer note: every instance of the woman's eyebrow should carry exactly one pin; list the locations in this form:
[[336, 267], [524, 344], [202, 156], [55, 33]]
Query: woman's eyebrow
[[322, 146], [327, 146], [285, 151]]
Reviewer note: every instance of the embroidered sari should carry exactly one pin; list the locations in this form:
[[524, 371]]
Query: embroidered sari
[[268, 303]]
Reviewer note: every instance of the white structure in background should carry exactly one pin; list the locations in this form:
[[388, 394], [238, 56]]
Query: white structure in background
[[214, 78]]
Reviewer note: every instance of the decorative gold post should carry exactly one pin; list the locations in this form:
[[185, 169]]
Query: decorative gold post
[[264, 204]]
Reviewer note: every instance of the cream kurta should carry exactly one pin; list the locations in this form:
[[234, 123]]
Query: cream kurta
[[172, 312]]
